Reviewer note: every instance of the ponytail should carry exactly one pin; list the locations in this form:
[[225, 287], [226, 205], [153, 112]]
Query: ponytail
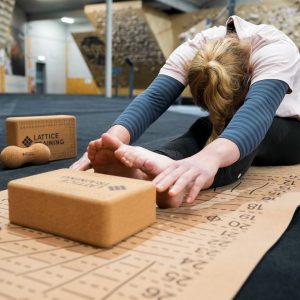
[[219, 78]]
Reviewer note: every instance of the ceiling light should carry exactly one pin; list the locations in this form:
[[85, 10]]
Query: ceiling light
[[67, 20], [41, 58]]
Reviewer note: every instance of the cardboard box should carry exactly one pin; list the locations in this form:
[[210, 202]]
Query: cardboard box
[[58, 132], [88, 207]]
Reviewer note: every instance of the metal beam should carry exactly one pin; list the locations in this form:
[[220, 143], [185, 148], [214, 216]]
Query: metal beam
[[184, 6], [231, 7], [76, 14], [198, 3], [108, 50], [210, 3]]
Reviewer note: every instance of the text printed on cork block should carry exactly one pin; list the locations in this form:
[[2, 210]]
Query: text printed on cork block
[[88, 207], [58, 132]]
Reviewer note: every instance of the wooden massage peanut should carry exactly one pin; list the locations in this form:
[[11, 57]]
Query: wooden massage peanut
[[15, 157]]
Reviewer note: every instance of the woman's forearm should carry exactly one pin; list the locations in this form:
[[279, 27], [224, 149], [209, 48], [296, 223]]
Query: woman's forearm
[[120, 132], [253, 119], [149, 105], [221, 151]]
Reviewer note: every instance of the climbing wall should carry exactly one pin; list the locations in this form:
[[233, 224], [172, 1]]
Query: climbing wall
[[6, 10], [147, 36], [283, 14], [132, 39]]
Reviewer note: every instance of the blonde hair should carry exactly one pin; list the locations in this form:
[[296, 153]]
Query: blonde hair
[[219, 78]]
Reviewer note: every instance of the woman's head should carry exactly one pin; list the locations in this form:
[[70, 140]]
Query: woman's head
[[219, 78]]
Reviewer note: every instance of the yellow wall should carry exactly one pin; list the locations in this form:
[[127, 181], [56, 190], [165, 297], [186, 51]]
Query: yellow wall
[[29, 66], [81, 86], [2, 79]]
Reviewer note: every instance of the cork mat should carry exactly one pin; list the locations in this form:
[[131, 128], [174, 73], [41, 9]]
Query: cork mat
[[189, 253]]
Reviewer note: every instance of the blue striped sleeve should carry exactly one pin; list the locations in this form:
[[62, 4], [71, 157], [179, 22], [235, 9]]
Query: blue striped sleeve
[[149, 105], [251, 122]]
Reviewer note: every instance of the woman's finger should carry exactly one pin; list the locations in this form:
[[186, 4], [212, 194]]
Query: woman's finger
[[182, 182], [164, 173], [195, 189], [168, 180]]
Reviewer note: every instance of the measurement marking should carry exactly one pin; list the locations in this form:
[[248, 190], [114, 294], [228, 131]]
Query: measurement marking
[[10, 251], [60, 263], [145, 252], [262, 175], [4, 208], [10, 226], [38, 280], [21, 240], [161, 242], [185, 224], [236, 186], [39, 259], [177, 234], [71, 268], [38, 252], [77, 294], [242, 196], [196, 200], [185, 213], [106, 277], [7, 296], [130, 265], [224, 194], [128, 280], [85, 273], [233, 204], [259, 188], [6, 270]]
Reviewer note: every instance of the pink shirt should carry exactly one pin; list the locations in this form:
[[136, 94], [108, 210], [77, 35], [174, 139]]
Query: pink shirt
[[274, 56]]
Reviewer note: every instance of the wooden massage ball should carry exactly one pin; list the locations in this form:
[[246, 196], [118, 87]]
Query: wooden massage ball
[[14, 157]]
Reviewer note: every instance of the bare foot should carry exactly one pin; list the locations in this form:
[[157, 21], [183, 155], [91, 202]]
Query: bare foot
[[103, 160], [152, 164], [110, 156], [82, 164], [137, 157]]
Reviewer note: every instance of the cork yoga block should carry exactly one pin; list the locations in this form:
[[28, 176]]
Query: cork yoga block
[[58, 132], [93, 208]]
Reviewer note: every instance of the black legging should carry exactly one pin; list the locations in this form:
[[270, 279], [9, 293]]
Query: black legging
[[281, 146]]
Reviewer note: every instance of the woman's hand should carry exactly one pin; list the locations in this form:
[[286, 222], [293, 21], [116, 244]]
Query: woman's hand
[[191, 175], [82, 164], [188, 176]]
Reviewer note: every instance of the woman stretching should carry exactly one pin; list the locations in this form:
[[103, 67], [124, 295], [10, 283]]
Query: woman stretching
[[248, 79]]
